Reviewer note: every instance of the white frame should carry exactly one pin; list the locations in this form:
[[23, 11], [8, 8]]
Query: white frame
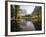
[[24, 32]]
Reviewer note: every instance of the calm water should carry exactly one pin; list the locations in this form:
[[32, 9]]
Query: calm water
[[27, 25]]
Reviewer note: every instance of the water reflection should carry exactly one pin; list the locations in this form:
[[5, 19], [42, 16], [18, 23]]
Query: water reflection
[[27, 26]]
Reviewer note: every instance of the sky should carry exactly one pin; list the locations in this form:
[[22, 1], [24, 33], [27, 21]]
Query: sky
[[28, 9]]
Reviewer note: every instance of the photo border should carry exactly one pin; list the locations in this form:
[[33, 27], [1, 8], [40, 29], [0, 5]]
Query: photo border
[[6, 18]]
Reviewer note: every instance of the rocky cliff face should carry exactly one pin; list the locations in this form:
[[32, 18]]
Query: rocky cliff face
[[37, 17]]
